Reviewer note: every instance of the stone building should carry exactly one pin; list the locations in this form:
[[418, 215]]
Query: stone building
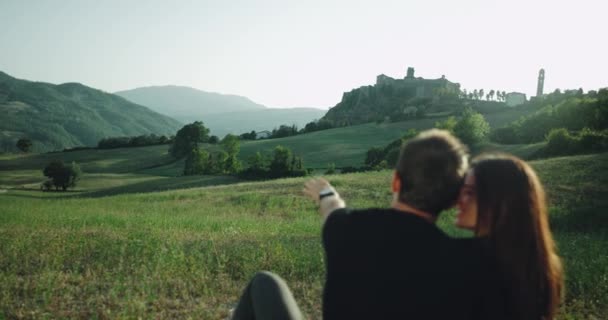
[[422, 88], [515, 98]]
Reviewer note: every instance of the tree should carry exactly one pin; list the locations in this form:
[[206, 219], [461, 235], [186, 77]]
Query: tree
[[448, 124], [61, 176], [76, 174], [197, 162], [480, 94], [279, 166], [231, 146], [249, 136], [24, 144], [214, 139], [475, 94], [374, 156], [284, 131], [188, 138], [472, 127], [491, 94]]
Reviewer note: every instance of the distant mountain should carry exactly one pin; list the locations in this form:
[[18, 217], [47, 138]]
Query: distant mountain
[[222, 113], [70, 114], [182, 103], [259, 120]]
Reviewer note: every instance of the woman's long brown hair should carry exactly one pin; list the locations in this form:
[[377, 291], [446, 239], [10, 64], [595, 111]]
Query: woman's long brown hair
[[513, 218]]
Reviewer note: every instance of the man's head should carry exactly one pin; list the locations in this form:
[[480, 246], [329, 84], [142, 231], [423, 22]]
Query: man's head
[[430, 171]]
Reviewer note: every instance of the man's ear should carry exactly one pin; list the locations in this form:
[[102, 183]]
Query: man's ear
[[396, 182]]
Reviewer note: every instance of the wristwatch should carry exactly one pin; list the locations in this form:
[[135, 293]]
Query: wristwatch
[[326, 192]]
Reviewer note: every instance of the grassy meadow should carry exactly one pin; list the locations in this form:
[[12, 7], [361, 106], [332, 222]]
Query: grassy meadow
[[135, 244], [347, 146]]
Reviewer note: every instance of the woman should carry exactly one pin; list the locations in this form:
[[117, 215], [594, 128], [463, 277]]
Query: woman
[[503, 202]]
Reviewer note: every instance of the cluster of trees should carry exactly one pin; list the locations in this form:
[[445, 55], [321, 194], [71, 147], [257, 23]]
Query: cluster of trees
[[60, 175], [571, 110], [137, 141], [318, 125], [385, 157], [470, 127], [494, 95], [562, 142], [249, 135], [281, 163], [291, 130], [222, 161], [284, 131], [188, 138]]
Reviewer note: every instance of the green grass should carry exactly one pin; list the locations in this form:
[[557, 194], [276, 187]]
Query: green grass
[[95, 160], [188, 253], [347, 146]]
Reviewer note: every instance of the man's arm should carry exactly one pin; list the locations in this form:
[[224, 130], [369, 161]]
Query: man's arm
[[326, 196]]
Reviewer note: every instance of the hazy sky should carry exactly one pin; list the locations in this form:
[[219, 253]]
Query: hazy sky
[[304, 53]]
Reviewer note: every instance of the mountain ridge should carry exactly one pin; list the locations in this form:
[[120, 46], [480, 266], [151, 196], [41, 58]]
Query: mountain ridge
[[58, 116], [221, 113]]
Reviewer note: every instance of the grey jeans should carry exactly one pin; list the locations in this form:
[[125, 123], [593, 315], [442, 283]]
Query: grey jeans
[[267, 297]]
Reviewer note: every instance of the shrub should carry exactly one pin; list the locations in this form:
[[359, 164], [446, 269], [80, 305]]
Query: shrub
[[561, 142]]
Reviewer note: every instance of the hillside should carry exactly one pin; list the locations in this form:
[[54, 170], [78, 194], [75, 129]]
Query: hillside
[[345, 146], [70, 114], [404, 99], [222, 113]]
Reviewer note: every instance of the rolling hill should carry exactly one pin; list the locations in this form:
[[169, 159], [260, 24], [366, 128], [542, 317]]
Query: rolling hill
[[221, 113], [70, 114], [345, 146]]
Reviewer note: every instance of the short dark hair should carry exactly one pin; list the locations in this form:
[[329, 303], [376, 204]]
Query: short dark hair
[[431, 166]]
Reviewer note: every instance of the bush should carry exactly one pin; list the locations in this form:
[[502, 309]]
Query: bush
[[331, 169], [505, 135], [561, 142], [593, 141]]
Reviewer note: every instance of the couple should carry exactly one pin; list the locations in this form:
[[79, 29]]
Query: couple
[[396, 264]]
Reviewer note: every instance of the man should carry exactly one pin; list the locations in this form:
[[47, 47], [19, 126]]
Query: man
[[390, 263], [395, 263]]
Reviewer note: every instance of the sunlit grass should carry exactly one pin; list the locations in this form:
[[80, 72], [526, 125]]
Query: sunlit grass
[[189, 253]]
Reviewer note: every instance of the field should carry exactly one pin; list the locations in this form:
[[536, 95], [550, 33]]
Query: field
[[347, 146], [121, 247]]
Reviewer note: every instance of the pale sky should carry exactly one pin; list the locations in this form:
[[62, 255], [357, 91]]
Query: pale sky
[[284, 53]]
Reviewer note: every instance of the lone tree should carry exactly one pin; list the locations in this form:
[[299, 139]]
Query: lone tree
[[62, 176], [188, 138], [24, 144]]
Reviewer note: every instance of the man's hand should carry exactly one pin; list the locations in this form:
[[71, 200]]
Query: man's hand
[[313, 187]]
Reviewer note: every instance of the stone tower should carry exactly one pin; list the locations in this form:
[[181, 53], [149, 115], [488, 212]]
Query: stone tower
[[541, 83], [410, 72]]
